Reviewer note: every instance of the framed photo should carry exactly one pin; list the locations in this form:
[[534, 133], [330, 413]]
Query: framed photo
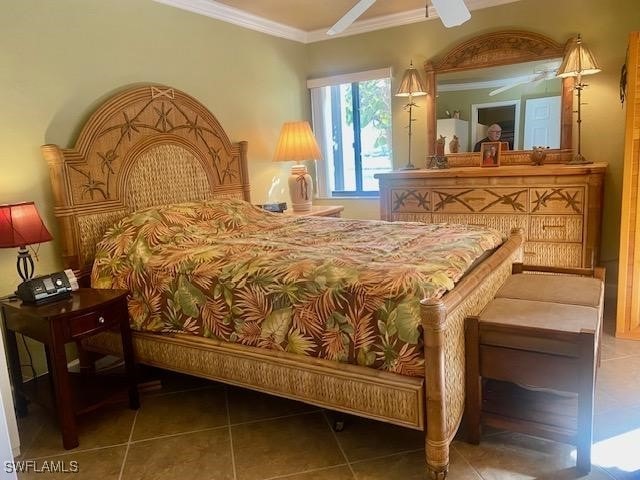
[[504, 147], [490, 154]]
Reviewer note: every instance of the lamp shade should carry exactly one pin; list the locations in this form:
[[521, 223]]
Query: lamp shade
[[20, 225], [411, 84], [296, 143], [578, 60]]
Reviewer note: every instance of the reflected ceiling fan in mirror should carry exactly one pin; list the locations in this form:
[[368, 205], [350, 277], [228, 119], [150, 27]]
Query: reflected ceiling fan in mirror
[[548, 73], [451, 12]]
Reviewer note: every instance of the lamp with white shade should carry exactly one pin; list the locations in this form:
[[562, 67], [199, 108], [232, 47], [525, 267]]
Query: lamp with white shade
[[297, 144], [577, 62], [411, 86]]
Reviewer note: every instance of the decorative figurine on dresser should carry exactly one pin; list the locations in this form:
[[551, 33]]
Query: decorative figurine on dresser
[[558, 206]]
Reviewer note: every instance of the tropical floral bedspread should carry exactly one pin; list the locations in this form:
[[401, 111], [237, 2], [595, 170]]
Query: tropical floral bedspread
[[346, 290]]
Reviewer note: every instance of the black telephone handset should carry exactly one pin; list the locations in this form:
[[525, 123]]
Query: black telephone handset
[[47, 288]]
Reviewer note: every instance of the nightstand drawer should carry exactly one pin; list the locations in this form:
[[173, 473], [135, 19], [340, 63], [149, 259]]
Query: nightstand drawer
[[89, 323]]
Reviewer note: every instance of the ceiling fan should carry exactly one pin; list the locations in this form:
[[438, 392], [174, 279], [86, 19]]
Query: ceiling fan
[[451, 12], [538, 76]]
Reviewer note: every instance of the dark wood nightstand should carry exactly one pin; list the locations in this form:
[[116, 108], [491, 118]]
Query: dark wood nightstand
[[87, 312]]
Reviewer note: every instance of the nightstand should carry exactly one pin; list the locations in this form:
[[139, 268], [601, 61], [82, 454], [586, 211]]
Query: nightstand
[[87, 312], [319, 211]]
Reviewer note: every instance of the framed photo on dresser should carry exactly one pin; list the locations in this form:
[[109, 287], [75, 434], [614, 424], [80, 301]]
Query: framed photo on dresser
[[490, 154]]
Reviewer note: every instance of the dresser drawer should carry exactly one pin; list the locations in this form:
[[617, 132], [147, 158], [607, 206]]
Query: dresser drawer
[[480, 200], [502, 223], [90, 322], [555, 228], [554, 254], [406, 200], [557, 200]]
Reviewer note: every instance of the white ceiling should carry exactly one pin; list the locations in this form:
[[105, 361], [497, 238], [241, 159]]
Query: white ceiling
[[308, 20]]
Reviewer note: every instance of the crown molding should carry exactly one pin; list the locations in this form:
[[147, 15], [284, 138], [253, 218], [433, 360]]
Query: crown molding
[[219, 11]]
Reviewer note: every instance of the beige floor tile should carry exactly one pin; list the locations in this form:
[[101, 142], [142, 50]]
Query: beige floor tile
[[198, 456], [362, 439], [333, 473], [410, 466], [614, 423], [246, 406], [616, 347], [514, 456], [102, 464], [284, 446], [180, 413], [30, 426], [107, 426], [171, 382]]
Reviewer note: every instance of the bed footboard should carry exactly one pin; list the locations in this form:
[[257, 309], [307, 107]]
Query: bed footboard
[[443, 330]]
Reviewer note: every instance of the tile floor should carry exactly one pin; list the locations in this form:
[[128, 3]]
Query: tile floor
[[195, 429]]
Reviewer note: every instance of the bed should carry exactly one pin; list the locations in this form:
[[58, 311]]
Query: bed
[[154, 146]]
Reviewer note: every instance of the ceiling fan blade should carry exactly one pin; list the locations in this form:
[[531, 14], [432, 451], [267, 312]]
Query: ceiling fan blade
[[451, 12], [351, 16], [535, 77]]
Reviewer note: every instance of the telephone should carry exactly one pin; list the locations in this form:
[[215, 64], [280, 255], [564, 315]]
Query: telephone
[[47, 288], [274, 207]]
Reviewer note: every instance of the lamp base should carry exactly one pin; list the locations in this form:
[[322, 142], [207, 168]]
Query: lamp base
[[24, 264], [578, 160], [409, 166], [300, 189]]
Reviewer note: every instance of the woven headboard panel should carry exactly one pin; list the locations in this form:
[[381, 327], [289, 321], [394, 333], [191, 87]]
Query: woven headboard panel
[[146, 146]]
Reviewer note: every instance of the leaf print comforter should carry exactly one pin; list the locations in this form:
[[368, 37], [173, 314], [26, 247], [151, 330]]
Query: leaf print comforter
[[346, 290]]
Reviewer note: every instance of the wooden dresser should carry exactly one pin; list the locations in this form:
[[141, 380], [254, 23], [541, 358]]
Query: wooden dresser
[[558, 206]]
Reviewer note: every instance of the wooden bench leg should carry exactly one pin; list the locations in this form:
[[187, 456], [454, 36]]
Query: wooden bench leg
[[585, 401], [473, 394]]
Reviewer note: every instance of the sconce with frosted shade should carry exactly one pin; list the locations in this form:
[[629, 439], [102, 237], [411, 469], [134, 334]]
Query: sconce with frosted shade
[[21, 225], [297, 144], [411, 86], [577, 62]]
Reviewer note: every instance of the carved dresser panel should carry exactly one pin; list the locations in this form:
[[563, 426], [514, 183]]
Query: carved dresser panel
[[558, 206]]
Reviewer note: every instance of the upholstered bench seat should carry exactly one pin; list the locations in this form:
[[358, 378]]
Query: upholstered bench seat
[[546, 317], [570, 290], [540, 331]]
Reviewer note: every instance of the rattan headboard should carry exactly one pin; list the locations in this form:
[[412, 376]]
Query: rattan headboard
[[146, 146]]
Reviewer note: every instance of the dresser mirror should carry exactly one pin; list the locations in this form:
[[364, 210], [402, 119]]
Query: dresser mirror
[[505, 78]]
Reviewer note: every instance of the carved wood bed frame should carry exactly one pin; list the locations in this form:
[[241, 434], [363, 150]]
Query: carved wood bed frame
[[155, 145]]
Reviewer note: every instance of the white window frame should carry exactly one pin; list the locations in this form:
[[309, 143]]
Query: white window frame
[[319, 112]]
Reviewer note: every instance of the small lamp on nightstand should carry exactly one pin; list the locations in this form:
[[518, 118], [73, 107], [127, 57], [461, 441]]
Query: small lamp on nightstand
[[297, 144], [21, 225]]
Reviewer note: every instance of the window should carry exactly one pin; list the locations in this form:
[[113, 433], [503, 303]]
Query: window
[[352, 122]]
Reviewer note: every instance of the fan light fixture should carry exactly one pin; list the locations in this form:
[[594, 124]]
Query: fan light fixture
[[451, 12], [411, 86], [578, 61]]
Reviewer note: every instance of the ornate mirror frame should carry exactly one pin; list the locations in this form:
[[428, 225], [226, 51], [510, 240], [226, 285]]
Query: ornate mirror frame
[[495, 49]]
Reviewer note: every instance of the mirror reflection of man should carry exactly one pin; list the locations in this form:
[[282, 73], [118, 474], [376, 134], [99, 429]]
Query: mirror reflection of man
[[493, 135]]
